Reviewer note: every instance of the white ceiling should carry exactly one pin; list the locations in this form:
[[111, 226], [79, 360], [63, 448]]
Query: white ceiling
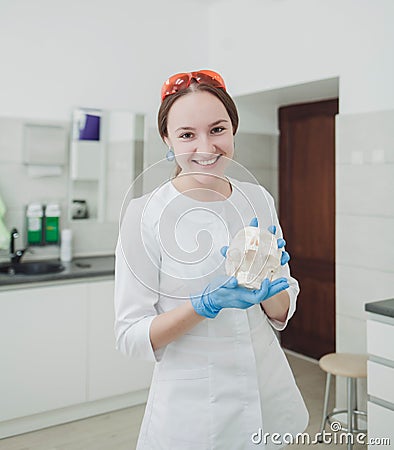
[[259, 110], [306, 92]]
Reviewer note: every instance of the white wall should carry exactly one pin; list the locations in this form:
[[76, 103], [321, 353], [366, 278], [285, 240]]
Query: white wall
[[260, 45], [258, 153], [56, 55], [18, 188], [364, 225], [259, 111]]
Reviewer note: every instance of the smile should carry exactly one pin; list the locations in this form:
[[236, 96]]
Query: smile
[[207, 162]]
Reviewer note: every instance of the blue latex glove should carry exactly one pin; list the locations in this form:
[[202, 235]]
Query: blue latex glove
[[281, 242], [224, 292]]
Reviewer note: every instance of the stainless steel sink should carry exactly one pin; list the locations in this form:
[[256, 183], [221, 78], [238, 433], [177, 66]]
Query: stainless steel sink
[[31, 268]]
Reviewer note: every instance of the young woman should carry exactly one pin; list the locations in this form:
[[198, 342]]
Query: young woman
[[221, 380]]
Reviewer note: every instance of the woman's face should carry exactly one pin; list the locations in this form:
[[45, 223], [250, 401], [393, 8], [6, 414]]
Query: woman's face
[[201, 135]]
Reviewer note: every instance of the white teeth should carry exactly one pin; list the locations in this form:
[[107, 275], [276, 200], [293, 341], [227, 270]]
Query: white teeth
[[208, 162]]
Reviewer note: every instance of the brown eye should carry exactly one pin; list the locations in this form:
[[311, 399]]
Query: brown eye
[[217, 130]]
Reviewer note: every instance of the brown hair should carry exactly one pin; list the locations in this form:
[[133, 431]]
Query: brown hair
[[219, 93]]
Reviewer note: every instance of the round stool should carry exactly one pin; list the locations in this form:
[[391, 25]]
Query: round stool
[[352, 367]]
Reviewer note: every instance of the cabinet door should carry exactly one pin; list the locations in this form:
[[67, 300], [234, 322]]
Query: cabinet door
[[380, 381], [380, 337], [110, 372], [43, 349], [380, 426]]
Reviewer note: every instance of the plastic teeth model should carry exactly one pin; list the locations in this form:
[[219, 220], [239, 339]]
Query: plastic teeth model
[[252, 256]]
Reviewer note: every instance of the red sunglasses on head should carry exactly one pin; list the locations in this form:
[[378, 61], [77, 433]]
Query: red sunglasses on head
[[182, 81]]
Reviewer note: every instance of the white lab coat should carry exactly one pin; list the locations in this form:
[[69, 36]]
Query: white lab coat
[[227, 379]]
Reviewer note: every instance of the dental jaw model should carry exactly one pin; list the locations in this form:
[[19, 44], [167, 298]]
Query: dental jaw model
[[252, 256]]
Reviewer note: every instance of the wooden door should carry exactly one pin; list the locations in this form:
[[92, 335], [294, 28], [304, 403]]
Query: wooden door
[[307, 216]]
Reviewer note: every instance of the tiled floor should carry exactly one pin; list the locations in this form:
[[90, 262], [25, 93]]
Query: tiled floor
[[119, 430]]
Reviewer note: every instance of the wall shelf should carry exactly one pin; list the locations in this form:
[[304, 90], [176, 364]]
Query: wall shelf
[[106, 155]]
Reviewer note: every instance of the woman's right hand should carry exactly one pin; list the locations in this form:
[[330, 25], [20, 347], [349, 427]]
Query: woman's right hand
[[224, 292]]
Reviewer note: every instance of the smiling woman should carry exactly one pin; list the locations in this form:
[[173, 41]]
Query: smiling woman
[[203, 145], [220, 374], [211, 136]]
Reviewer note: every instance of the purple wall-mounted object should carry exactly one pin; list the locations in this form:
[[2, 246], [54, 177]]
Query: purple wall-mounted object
[[91, 130]]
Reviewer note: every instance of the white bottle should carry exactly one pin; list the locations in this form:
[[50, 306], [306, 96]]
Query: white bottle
[[34, 215], [66, 245]]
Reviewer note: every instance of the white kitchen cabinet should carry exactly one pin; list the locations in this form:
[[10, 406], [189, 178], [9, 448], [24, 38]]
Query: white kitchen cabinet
[[110, 372], [380, 338], [381, 381], [43, 349], [59, 361], [380, 426], [380, 334]]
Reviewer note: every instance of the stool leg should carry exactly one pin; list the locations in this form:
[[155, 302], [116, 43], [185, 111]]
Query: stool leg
[[350, 397], [326, 398], [355, 416]]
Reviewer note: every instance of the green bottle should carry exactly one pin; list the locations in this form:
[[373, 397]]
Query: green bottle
[[52, 217]]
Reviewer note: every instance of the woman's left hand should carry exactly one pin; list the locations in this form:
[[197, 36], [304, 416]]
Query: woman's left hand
[[272, 229], [281, 243]]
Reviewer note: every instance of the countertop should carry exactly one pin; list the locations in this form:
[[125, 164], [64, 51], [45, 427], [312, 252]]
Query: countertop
[[96, 266], [383, 307]]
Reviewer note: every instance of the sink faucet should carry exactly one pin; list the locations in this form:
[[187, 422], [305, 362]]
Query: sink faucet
[[15, 255]]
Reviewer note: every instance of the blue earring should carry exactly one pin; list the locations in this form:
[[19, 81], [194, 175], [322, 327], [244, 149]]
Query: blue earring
[[170, 155]]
